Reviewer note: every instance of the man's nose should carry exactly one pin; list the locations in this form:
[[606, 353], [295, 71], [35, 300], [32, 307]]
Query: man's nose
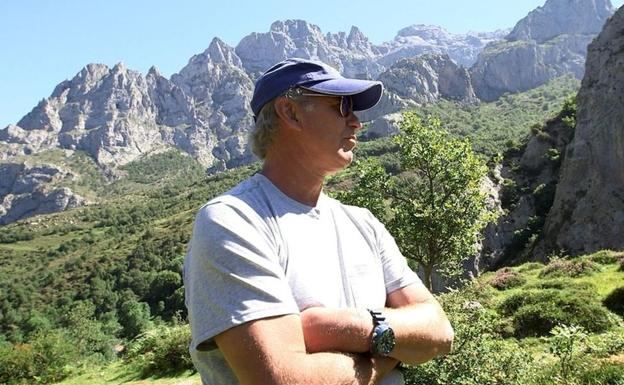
[[354, 122]]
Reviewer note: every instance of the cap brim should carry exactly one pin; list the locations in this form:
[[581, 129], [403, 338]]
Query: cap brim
[[365, 93]]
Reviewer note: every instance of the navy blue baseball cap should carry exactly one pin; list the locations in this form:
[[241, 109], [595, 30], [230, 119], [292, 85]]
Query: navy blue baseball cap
[[314, 76]]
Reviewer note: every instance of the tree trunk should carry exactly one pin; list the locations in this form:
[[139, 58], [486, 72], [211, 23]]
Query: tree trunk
[[428, 272]]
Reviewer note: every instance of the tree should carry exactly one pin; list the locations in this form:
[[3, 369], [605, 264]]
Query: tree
[[435, 207]]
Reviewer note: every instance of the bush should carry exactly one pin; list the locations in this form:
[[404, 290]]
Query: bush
[[615, 301], [536, 312], [479, 356], [603, 373], [530, 266], [162, 350], [607, 257], [44, 360], [507, 278], [569, 268], [563, 284]]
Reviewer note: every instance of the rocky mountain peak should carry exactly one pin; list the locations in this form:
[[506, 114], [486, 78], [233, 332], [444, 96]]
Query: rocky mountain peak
[[557, 17], [425, 32], [296, 29], [219, 52], [153, 72]]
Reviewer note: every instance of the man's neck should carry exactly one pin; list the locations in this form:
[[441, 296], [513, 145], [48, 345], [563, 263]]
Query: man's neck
[[294, 179]]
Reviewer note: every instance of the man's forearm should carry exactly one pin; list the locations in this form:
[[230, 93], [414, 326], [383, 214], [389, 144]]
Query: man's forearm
[[422, 331], [343, 369]]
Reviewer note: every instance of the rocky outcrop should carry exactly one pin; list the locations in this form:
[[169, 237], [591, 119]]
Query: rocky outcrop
[[551, 41], [416, 81], [562, 17], [588, 209], [25, 191], [417, 40], [220, 91], [429, 78], [353, 54], [526, 183]]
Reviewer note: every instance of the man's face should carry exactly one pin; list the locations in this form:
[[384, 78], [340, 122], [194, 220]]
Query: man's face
[[329, 138]]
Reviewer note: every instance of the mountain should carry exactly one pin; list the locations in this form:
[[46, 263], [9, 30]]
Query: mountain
[[118, 116], [420, 39], [549, 42], [588, 209], [563, 190]]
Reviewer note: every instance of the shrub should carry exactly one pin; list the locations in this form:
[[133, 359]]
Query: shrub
[[563, 284], [607, 257], [603, 373], [530, 266], [479, 356], [536, 312], [162, 350], [615, 301], [569, 268], [507, 278], [43, 360]]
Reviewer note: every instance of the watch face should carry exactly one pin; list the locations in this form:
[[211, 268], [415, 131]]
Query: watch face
[[383, 340], [386, 342]]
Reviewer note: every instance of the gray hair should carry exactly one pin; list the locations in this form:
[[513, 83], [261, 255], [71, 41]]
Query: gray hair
[[266, 128]]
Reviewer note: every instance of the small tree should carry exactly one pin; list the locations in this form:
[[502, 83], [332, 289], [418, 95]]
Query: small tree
[[435, 206]]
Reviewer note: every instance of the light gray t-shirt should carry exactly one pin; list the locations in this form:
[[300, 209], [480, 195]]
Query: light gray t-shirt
[[257, 253]]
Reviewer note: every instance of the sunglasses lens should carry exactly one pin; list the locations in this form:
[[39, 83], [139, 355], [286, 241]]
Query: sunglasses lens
[[346, 106]]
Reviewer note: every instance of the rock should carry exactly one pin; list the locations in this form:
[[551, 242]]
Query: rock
[[549, 42], [522, 65], [27, 191], [562, 17], [416, 40], [429, 78], [588, 210], [221, 91]]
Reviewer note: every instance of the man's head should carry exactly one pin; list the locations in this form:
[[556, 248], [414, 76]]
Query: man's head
[[296, 78]]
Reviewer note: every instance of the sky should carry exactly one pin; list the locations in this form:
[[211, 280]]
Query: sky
[[44, 42]]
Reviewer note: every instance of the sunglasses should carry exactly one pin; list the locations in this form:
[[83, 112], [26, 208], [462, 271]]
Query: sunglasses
[[346, 102]]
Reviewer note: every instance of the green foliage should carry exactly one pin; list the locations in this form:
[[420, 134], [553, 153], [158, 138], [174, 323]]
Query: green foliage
[[566, 344], [166, 165], [602, 373], [369, 191], [90, 336], [46, 359], [537, 312], [500, 125], [479, 356], [559, 267], [162, 350], [615, 301], [506, 279], [607, 257], [134, 317], [435, 206]]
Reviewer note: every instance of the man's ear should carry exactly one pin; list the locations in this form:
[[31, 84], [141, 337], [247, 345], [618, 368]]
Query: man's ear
[[287, 109]]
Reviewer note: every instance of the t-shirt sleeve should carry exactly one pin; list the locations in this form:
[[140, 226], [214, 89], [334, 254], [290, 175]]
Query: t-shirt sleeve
[[232, 273], [397, 273]]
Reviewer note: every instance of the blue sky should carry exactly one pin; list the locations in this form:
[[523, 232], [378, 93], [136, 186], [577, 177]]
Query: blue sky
[[43, 42]]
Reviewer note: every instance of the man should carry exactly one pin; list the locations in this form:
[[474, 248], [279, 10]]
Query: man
[[285, 285]]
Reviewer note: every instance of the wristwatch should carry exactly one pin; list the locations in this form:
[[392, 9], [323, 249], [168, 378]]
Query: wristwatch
[[383, 340]]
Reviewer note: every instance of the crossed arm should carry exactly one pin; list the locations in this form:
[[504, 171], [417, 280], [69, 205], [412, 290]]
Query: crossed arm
[[324, 345]]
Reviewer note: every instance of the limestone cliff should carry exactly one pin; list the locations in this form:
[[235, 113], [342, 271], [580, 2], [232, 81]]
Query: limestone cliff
[[588, 210], [549, 42]]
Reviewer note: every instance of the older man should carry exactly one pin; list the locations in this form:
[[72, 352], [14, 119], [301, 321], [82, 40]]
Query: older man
[[285, 285]]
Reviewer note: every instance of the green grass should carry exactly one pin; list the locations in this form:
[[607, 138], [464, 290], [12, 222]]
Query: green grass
[[117, 374]]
